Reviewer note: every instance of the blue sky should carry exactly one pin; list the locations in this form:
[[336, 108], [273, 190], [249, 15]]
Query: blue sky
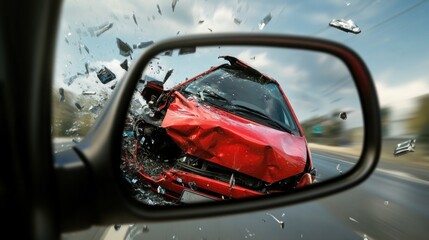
[[393, 41]]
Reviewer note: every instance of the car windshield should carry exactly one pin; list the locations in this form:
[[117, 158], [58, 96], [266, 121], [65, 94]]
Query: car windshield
[[246, 94]]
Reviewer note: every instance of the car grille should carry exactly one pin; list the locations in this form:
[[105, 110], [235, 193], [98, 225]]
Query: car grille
[[214, 171]]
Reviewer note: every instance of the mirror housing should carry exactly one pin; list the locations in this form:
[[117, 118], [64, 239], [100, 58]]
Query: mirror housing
[[95, 160]]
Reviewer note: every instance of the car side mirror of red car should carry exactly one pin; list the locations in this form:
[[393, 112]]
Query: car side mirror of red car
[[245, 122]]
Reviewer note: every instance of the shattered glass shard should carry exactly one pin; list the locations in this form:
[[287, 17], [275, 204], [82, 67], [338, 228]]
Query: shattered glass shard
[[78, 106], [105, 75], [282, 224], [192, 185], [124, 49], [160, 190], [124, 65], [86, 48], [159, 9], [104, 29], [173, 4], [135, 20], [142, 44], [232, 182], [113, 86], [92, 30], [265, 21], [168, 53], [87, 93], [405, 147], [70, 80], [94, 109], [168, 74], [62, 98], [187, 50], [86, 68], [338, 169]]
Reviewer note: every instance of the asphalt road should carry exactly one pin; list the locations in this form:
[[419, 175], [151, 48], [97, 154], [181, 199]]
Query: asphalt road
[[391, 204]]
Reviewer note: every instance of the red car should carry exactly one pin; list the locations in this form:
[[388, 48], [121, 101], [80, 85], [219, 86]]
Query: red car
[[227, 133]]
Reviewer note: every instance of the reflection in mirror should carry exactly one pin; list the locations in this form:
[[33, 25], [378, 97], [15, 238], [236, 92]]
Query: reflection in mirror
[[221, 123]]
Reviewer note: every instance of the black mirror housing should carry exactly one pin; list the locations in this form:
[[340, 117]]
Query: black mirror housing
[[99, 154]]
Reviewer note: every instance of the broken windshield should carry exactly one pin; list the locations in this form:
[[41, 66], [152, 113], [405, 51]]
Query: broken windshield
[[246, 94]]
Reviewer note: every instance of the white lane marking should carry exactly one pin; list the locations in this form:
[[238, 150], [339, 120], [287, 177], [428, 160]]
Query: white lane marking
[[403, 176], [393, 173], [337, 159]]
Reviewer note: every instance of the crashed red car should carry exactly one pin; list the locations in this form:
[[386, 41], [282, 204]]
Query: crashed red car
[[227, 133]]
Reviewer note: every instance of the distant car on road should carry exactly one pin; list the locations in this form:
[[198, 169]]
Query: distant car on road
[[345, 25]]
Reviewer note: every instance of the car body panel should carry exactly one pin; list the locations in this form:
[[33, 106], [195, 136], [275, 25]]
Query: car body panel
[[345, 25], [174, 182], [405, 147], [234, 142]]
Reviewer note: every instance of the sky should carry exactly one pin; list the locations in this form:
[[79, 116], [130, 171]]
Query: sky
[[393, 42]]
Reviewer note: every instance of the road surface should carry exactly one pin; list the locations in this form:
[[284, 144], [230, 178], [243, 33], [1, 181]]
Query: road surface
[[391, 204]]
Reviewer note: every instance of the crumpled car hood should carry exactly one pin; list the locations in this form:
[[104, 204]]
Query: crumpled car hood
[[234, 142]]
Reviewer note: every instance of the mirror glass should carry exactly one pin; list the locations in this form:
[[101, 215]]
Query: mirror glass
[[227, 122]]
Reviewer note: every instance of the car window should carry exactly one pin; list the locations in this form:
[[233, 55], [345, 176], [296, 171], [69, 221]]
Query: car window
[[95, 49]]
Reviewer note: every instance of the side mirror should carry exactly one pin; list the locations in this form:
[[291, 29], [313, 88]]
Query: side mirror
[[221, 142]]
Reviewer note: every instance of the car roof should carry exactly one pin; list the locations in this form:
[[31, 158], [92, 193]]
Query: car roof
[[236, 62]]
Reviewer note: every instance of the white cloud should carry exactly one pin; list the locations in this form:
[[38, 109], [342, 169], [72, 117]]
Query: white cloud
[[389, 95], [332, 63], [293, 72], [256, 61], [401, 99], [280, 72], [318, 18]]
